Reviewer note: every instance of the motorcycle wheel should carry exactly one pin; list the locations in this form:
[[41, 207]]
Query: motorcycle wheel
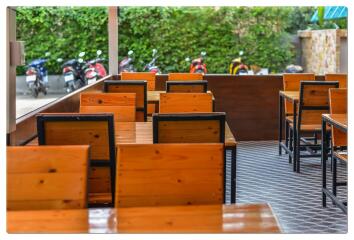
[[35, 93], [33, 89]]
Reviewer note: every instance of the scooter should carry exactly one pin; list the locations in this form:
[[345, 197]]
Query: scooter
[[94, 69], [37, 76], [198, 65], [237, 67], [126, 65], [73, 72], [151, 67]]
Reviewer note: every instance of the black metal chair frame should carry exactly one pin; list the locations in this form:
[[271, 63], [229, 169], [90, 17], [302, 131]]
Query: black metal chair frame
[[296, 138], [108, 83], [221, 117], [325, 149], [111, 163]]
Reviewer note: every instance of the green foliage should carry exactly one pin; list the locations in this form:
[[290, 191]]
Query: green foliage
[[263, 33], [180, 32], [63, 31]]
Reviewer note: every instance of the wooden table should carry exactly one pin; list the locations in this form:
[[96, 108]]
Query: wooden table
[[240, 218], [339, 121], [293, 97], [141, 132]]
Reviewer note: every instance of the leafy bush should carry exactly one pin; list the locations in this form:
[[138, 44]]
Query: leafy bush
[[63, 31], [263, 33]]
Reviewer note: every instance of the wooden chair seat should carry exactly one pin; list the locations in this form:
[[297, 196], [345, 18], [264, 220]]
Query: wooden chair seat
[[306, 127], [341, 155]]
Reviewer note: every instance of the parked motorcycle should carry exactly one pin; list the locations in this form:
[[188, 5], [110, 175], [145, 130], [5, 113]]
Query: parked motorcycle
[[237, 67], [126, 65], [37, 76], [198, 65], [94, 69], [73, 72], [151, 67]]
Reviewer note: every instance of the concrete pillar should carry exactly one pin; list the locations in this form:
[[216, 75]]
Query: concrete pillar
[[113, 40]]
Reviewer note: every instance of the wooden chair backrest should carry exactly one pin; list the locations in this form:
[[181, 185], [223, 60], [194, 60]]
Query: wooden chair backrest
[[96, 130], [185, 76], [169, 174], [47, 177], [122, 105], [186, 102], [338, 102], [189, 128], [148, 76], [314, 101], [291, 82], [200, 86], [138, 87], [340, 77]]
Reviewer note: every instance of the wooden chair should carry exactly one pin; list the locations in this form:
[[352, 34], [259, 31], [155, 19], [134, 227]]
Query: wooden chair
[[122, 105], [291, 82], [186, 102], [340, 77], [137, 87], [189, 128], [338, 105], [185, 76], [47, 177], [96, 130], [187, 86], [147, 76], [169, 174], [314, 101]]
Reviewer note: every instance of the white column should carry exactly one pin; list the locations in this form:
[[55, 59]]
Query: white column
[[113, 40]]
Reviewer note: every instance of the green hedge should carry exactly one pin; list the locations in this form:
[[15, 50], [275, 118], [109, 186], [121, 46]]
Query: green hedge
[[63, 31], [263, 33]]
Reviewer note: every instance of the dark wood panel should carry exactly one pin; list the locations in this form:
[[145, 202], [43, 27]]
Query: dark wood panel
[[250, 102]]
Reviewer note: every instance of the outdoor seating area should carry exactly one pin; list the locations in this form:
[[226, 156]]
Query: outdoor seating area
[[257, 143], [183, 156]]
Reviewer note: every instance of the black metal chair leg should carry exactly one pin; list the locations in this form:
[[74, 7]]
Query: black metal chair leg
[[290, 143], [287, 134], [334, 177], [297, 155]]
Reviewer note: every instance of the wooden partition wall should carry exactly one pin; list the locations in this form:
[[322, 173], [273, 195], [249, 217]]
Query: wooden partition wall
[[250, 103]]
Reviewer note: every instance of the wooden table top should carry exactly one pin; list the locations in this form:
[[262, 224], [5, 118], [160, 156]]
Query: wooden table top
[[141, 132], [338, 120], [292, 96], [154, 96], [239, 218]]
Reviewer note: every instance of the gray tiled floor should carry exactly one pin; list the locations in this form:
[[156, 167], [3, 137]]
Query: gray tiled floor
[[264, 176]]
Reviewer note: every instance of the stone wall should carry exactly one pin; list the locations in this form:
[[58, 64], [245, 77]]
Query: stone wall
[[321, 51]]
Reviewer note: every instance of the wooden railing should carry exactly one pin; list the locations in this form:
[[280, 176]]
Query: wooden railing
[[250, 103]]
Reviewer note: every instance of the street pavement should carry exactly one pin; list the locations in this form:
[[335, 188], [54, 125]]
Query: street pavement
[[27, 103]]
